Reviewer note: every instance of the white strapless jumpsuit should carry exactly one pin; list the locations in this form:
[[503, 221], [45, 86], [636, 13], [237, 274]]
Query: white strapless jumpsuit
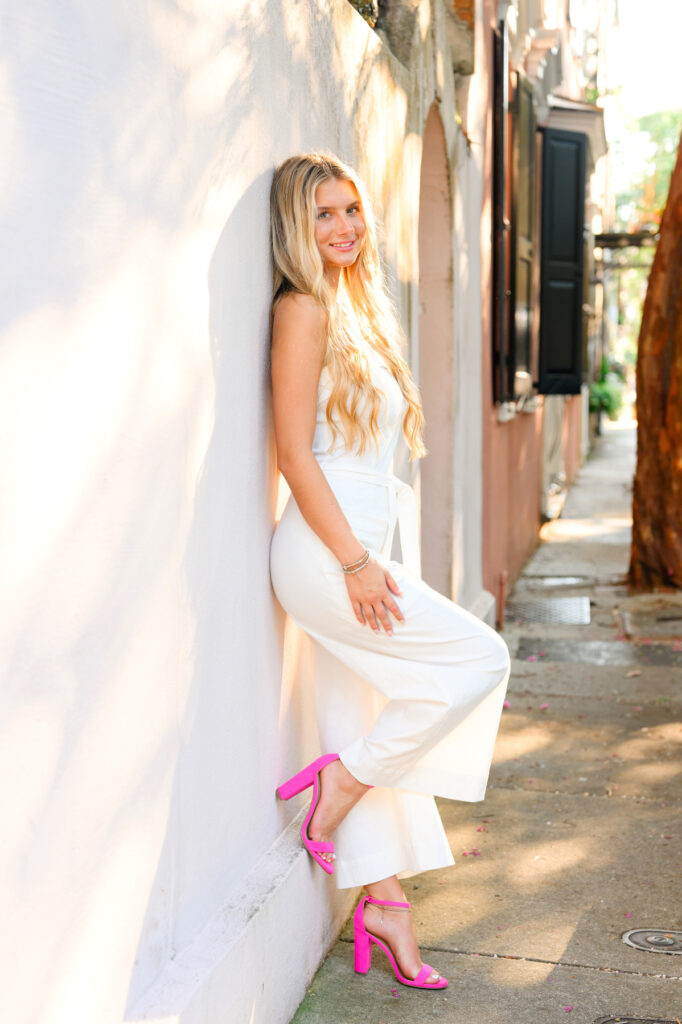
[[414, 714]]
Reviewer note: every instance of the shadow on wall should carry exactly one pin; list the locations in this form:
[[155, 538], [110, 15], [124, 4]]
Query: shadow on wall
[[228, 715]]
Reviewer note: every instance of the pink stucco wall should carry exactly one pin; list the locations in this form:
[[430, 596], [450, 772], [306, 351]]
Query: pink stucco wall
[[571, 436], [512, 452]]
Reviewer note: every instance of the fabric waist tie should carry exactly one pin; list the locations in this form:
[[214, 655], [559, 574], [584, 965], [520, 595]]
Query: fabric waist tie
[[402, 508]]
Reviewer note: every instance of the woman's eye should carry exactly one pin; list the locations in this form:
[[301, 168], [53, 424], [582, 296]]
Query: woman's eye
[[323, 213], [352, 209]]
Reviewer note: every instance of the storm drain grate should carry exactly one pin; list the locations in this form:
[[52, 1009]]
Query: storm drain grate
[[563, 611], [654, 940], [636, 1020]]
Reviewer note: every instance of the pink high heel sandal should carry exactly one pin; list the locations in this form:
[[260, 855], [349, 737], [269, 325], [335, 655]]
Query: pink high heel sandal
[[310, 776], [363, 948]]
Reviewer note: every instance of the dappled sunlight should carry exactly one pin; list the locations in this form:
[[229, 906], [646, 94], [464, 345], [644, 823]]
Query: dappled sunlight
[[296, 25], [283, 492], [126, 864], [508, 975], [651, 774], [669, 732], [543, 861], [404, 251], [566, 530], [424, 15], [525, 740], [35, 727], [208, 88], [291, 665], [649, 742], [109, 355]]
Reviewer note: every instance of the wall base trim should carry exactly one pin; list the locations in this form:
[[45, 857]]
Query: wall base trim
[[253, 960], [483, 607]]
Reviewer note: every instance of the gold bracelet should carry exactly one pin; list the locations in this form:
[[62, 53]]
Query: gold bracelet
[[354, 567], [351, 565]]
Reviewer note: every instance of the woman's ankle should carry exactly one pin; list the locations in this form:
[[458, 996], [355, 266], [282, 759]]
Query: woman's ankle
[[387, 890]]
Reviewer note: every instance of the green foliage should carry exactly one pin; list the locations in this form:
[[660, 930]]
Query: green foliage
[[606, 392], [607, 396], [642, 203]]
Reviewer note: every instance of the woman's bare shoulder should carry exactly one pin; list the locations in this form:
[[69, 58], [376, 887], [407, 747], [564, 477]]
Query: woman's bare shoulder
[[300, 313]]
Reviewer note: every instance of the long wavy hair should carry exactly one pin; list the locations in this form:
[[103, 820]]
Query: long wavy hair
[[361, 303]]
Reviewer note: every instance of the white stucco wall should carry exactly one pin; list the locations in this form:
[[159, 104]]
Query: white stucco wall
[[153, 694]]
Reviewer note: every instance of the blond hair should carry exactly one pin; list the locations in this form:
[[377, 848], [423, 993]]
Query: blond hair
[[298, 267]]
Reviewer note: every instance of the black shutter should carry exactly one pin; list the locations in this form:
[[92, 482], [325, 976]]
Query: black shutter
[[561, 268], [522, 220], [502, 367]]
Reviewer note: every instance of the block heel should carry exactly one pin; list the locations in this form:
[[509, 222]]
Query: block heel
[[310, 776], [363, 945], [363, 948]]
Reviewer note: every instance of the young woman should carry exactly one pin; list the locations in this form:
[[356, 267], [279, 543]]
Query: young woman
[[409, 685]]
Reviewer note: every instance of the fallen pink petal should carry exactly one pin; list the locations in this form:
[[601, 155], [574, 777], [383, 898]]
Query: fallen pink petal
[[506, 705], [628, 915], [532, 657], [567, 1009], [543, 707]]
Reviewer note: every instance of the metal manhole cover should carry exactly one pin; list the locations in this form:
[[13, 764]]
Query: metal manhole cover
[[654, 940], [636, 1020], [565, 611]]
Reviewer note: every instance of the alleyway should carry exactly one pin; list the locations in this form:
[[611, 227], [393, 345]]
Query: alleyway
[[578, 840]]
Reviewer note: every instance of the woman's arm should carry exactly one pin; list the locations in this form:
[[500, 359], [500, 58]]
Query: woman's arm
[[298, 350]]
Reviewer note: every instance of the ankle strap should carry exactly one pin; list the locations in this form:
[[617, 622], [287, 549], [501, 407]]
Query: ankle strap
[[387, 903]]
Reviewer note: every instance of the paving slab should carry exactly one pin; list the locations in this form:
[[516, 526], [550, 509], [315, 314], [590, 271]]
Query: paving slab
[[604, 748], [600, 561], [652, 615], [604, 624], [555, 877], [621, 683], [484, 990], [588, 651]]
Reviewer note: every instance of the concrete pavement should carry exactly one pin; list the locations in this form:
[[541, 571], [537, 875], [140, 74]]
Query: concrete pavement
[[578, 839]]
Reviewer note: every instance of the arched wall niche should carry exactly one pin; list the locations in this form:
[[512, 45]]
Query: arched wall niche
[[436, 357]]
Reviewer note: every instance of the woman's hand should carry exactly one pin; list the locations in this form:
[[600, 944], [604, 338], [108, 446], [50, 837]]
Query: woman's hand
[[370, 591]]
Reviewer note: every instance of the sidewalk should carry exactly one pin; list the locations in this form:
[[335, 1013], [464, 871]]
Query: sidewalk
[[578, 840]]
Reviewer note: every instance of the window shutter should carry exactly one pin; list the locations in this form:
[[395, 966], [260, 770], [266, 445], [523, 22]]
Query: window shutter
[[561, 268], [522, 221]]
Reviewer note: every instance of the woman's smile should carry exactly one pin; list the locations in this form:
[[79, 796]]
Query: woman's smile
[[339, 224]]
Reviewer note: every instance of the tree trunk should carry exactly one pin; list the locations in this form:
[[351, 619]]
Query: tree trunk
[[656, 555]]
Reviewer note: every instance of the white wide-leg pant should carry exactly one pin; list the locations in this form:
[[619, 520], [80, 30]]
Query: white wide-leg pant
[[414, 714]]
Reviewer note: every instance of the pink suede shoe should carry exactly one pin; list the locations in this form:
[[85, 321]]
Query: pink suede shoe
[[363, 948], [310, 776]]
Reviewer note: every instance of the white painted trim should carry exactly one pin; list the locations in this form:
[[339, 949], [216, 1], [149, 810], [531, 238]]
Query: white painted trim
[[485, 607], [255, 957]]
